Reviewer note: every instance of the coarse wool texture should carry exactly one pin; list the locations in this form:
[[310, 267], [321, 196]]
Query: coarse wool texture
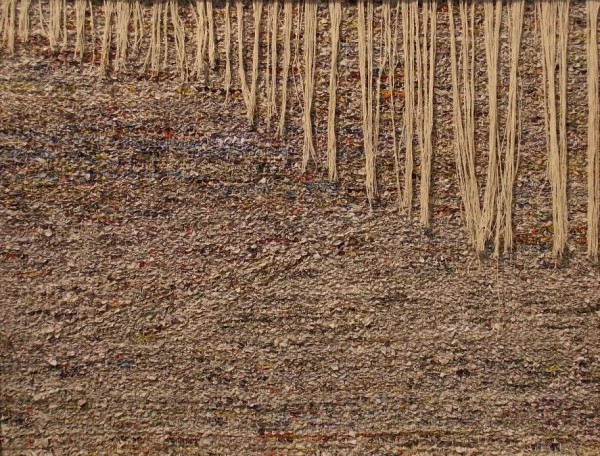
[[277, 76]]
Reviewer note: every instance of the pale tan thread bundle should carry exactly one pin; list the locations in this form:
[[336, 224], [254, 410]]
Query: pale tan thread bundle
[[426, 94], [257, 8], [138, 14], [310, 65], [391, 25], [335, 13], [463, 94], [228, 34], [553, 24], [272, 54], [365, 58], [271, 71], [154, 45], [288, 13], [7, 21], [80, 10], [492, 21], [179, 40], [410, 36], [202, 65], [509, 151], [109, 6], [593, 171], [123, 13], [24, 12]]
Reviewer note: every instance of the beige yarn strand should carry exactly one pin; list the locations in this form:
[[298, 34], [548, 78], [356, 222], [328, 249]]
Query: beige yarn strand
[[199, 13], [463, 112], [509, 152], [491, 27], [335, 13], [24, 24], [9, 24], [227, 43], [257, 10], [54, 23], [428, 72], [593, 167], [309, 48], [271, 76], [123, 12], [365, 65], [80, 9], [552, 16], [409, 7], [179, 39], [154, 47], [241, 52], [109, 6], [165, 35], [288, 10], [212, 59]]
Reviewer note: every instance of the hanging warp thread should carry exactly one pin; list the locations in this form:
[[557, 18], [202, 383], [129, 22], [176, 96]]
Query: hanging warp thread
[[241, 52], [199, 12], [335, 13], [553, 24], [310, 45], [464, 116], [165, 37], [257, 9], [123, 13], [24, 25], [491, 28], [109, 6], [391, 31], [504, 230], [365, 64], [227, 42], [154, 47], [179, 38], [138, 26], [80, 10], [593, 167], [428, 44], [409, 37], [212, 59], [54, 23], [271, 70], [288, 10]]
